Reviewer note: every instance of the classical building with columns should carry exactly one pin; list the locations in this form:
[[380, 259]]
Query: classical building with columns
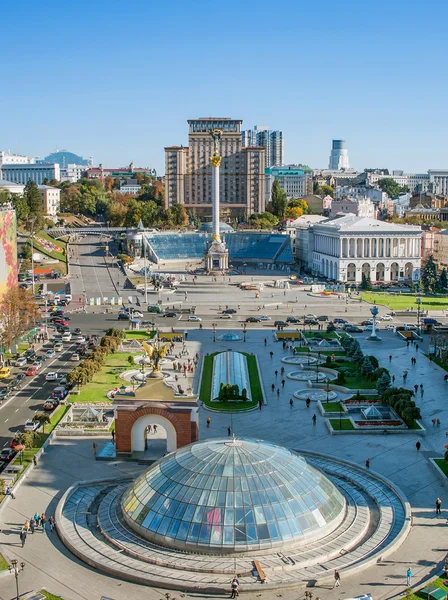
[[345, 248]]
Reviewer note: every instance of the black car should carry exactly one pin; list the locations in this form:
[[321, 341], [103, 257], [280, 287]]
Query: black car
[[4, 393], [20, 377], [322, 318], [123, 316], [352, 329], [77, 331], [252, 319], [229, 311], [340, 321], [293, 320], [280, 323], [310, 321], [169, 314]]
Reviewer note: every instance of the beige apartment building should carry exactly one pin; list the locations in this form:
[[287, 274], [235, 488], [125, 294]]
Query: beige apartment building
[[440, 249], [51, 199], [242, 172]]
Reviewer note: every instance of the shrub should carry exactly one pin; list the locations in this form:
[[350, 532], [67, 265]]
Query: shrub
[[341, 378], [331, 328], [374, 361], [328, 361], [383, 383]]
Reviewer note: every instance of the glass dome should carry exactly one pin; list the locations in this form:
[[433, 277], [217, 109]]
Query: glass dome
[[232, 495], [223, 228]]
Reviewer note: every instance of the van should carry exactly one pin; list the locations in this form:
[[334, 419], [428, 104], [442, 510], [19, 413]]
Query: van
[[59, 393], [155, 308]]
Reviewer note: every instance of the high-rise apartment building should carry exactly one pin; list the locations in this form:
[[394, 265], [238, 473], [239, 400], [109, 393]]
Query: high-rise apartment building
[[188, 171], [272, 142], [339, 156], [7, 158]]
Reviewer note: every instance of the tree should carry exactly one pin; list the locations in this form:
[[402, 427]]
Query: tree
[[18, 312], [33, 199], [429, 275], [42, 419], [27, 438], [383, 383], [366, 283], [443, 280], [149, 211], [327, 190], [357, 354], [367, 367], [390, 186], [293, 212], [331, 327], [279, 200]]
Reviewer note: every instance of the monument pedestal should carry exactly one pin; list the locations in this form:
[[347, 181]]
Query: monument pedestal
[[217, 257]]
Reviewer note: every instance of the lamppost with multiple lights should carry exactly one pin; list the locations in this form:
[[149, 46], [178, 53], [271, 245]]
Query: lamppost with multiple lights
[[214, 331], [15, 568], [419, 303], [244, 326]]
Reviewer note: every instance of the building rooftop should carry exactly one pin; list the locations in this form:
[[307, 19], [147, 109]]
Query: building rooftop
[[352, 222]]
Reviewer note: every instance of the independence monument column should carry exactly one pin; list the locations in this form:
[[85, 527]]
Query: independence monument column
[[217, 255]]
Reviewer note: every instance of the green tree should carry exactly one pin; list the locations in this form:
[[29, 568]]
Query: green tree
[[367, 367], [383, 383], [390, 186], [366, 283], [443, 280], [33, 199], [429, 275], [327, 190], [27, 438], [149, 212], [279, 200], [43, 419]]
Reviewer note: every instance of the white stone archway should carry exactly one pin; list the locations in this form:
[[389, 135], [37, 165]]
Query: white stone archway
[[139, 427]]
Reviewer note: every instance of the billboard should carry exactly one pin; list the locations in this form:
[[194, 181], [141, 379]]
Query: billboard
[[8, 250]]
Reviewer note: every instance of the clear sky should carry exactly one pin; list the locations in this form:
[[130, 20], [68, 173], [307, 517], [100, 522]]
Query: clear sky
[[118, 80]]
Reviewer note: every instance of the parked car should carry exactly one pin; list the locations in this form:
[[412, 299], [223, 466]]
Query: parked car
[[5, 372], [80, 339], [293, 320], [229, 311], [280, 323], [343, 321], [264, 318], [52, 376], [77, 331], [310, 316], [31, 425], [50, 404], [20, 362], [225, 316], [31, 371], [390, 327], [322, 318], [193, 318], [352, 329], [50, 353], [7, 454]]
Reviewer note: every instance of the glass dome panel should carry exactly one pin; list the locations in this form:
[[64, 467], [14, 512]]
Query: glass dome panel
[[232, 495]]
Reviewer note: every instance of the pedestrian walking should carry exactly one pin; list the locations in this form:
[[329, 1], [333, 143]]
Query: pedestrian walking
[[416, 347], [265, 342], [260, 404], [416, 388], [393, 379], [307, 402], [32, 525], [421, 392], [276, 372], [337, 579], [23, 535], [283, 383], [234, 588], [43, 520], [438, 506], [282, 370], [409, 577], [438, 422], [37, 519], [368, 463], [229, 430], [51, 522], [278, 392], [291, 402], [94, 449], [271, 354], [405, 374], [273, 387], [314, 419], [208, 421], [418, 445], [35, 461], [155, 428], [390, 357]]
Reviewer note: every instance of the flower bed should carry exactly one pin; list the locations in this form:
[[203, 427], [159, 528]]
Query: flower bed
[[361, 402]]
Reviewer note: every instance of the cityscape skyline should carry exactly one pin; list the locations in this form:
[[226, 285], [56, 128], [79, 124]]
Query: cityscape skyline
[[381, 117]]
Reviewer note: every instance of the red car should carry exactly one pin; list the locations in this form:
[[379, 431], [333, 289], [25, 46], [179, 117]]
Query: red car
[[61, 322], [31, 371]]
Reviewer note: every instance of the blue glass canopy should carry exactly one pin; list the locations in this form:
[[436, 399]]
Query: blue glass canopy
[[232, 495]]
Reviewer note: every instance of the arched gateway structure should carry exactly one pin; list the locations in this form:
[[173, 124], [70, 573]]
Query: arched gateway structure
[[180, 421]]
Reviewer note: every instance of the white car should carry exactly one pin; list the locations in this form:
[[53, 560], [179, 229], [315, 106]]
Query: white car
[[410, 327], [136, 314], [390, 327], [51, 376], [20, 362], [31, 425], [50, 353], [225, 316], [194, 318], [67, 337], [310, 316], [386, 318], [370, 328], [264, 318], [58, 347], [74, 356], [80, 339]]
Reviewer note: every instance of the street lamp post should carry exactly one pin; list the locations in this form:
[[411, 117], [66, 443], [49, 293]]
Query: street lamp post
[[244, 326], [14, 567], [419, 302], [317, 366], [214, 331]]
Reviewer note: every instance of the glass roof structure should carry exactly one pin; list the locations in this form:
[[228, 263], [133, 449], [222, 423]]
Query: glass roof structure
[[232, 495], [230, 368]]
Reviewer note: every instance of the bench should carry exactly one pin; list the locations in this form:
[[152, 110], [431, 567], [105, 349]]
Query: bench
[[260, 572], [13, 469]]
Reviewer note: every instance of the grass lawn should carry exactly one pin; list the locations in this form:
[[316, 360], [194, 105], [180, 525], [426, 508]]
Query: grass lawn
[[103, 381], [442, 464], [49, 596], [206, 386], [3, 563], [324, 335], [140, 335], [61, 256], [422, 595], [346, 425], [331, 406], [412, 425], [404, 301], [441, 364], [305, 349]]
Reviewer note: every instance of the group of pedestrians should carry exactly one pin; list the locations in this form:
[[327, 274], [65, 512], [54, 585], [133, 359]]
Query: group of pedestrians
[[37, 521]]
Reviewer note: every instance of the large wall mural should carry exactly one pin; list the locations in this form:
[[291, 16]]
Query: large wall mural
[[8, 250]]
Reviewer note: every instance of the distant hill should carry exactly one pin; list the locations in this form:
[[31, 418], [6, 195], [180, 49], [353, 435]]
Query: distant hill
[[64, 158]]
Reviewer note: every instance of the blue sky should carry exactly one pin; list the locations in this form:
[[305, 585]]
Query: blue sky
[[118, 80]]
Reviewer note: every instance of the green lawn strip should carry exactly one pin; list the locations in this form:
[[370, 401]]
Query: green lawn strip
[[298, 349], [49, 596], [331, 406], [442, 464], [346, 425], [438, 362], [412, 425], [103, 381], [404, 301], [3, 563], [324, 335], [140, 335], [358, 383], [206, 386], [421, 594]]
